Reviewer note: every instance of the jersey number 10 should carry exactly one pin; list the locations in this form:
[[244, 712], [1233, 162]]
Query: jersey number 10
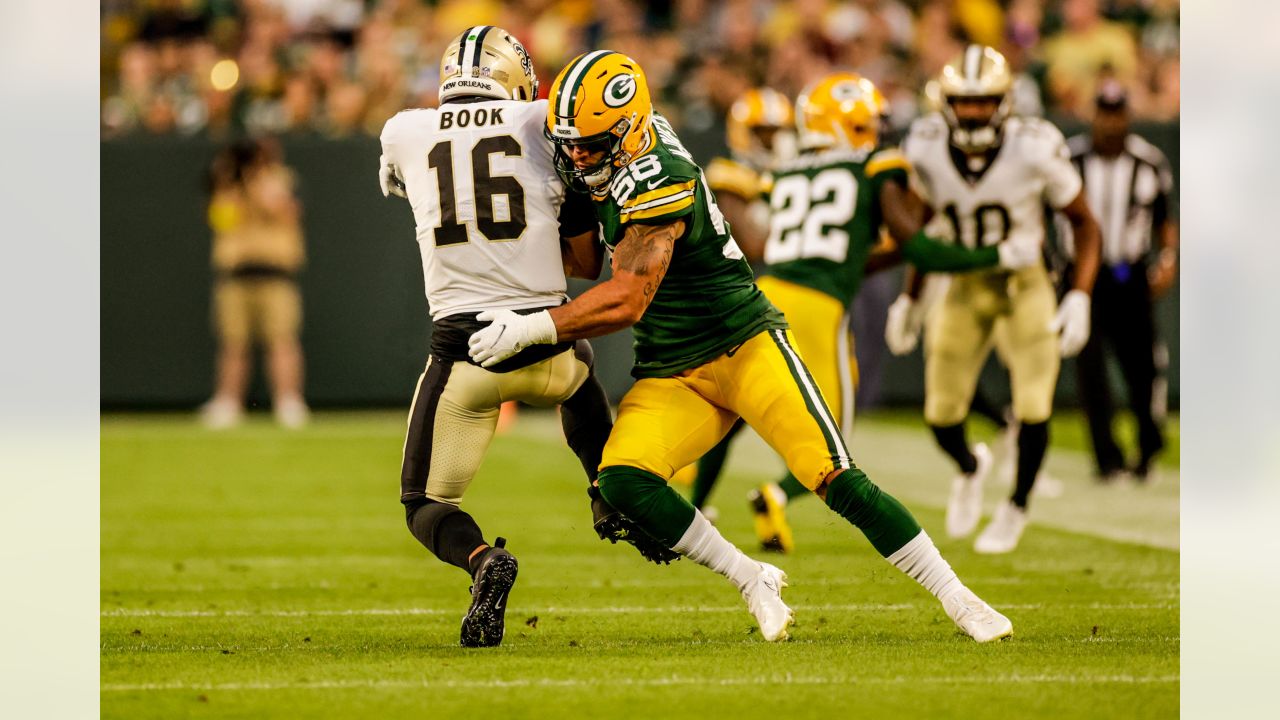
[[485, 187]]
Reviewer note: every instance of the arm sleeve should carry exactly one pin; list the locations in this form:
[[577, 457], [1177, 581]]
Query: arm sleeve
[[1062, 182], [889, 165], [931, 255], [577, 214]]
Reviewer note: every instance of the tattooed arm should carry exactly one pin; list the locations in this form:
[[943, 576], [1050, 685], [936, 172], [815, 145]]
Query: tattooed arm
[[640, 261]]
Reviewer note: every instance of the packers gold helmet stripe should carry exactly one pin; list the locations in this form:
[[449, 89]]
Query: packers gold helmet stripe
[[569, 91]]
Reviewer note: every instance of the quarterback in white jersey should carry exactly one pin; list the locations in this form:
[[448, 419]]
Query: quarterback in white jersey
[[987, 178], [497, 231]]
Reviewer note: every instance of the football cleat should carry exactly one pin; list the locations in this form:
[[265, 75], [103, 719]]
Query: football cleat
[[769, 506], [1004, 531], [979, 620], [763, 594], [613, 526], [485, 621], [964, 507]]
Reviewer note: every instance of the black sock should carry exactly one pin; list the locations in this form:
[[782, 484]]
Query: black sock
[[951, 438], [1033, 440], [446, 530], [587, 419]]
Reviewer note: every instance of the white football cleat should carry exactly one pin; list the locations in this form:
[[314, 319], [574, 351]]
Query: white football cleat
[[1004, 531], [978, 619], [964, 507], [763, 594]]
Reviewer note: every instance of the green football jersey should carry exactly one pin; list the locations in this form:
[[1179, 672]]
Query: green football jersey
[[708, 302], [824, 217]]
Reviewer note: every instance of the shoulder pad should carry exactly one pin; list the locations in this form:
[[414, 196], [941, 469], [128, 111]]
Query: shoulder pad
[[725, 175], [887, 159]]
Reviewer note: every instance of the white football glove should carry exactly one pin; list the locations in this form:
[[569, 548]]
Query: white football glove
[[902, 327], [1072, 321], [1014, 256], [508, 334], [389, 178]]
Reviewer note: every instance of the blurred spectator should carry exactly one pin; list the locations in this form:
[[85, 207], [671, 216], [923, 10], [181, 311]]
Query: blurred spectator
[[1087, 47], [165, 62], [257, 252]]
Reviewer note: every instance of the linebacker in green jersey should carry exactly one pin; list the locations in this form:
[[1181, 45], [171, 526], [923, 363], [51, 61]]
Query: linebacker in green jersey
[[827, 209], [709, 348]]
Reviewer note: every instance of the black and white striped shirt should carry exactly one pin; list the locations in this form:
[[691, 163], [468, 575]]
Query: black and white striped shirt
[[1128, 194]]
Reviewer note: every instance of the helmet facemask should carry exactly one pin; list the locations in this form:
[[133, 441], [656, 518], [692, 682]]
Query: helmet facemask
[[597, 174], [975, 134]]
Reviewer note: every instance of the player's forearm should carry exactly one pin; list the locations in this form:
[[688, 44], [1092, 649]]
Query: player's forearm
[[930, 255], [603, 309]]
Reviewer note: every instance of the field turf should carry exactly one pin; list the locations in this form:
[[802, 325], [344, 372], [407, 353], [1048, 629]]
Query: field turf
[[262, 573]]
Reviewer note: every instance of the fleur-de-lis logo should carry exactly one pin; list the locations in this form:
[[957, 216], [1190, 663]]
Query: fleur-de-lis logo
[[620, 90]]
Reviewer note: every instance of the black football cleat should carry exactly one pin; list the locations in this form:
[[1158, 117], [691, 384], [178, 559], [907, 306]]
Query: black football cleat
[[484, 622]]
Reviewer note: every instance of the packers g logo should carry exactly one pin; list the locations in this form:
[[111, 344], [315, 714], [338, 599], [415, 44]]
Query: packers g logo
[[620, 90]]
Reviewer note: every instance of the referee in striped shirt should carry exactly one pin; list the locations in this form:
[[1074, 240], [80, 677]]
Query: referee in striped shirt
[[1128, 183]]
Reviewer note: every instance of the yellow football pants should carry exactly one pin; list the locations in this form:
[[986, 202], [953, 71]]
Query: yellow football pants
[[1011, 310], [666, 423], [820, 325]]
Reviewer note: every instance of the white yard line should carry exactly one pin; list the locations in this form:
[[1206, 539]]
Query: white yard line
[[675, 680], [613, 610]]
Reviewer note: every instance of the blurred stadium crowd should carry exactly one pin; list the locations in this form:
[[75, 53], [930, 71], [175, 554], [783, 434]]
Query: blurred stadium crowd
[[342, 67]]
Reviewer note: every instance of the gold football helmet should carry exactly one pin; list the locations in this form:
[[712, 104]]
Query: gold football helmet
[[755, 119], [599, 102], [840, 110], [979, 74], [489, 62]]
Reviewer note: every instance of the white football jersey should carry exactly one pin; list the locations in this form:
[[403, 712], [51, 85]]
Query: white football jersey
[[1001, 202], [486, 200]]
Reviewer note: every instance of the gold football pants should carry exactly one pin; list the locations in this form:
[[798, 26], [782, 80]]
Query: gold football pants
[[1013, 311], [454, 413], [666, 423], [820, 325]]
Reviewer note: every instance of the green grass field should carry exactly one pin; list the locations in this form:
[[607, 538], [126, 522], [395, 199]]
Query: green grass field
[[260, 573]]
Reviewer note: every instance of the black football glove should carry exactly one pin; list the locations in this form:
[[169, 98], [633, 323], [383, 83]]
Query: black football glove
[[613, 526]]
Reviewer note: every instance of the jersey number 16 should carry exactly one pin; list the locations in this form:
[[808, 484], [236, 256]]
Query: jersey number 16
[[485, 187]]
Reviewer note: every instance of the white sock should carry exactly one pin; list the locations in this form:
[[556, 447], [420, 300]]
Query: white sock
[[703, 544], [920, 559]]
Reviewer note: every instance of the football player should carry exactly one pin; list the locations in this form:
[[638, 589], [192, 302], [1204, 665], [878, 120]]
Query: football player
[[497, 231], [760, 130], [987, 176], [708, 348], [827, 210]]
